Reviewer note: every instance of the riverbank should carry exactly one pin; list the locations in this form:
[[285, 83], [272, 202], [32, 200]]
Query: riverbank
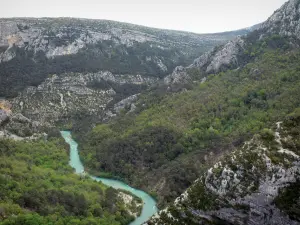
[[149, 207]]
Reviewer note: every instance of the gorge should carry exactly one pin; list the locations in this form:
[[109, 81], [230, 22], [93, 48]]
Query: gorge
[[206, 124]]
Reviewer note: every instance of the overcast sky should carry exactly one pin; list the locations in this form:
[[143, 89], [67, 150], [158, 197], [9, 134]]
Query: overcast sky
[[200, 16]]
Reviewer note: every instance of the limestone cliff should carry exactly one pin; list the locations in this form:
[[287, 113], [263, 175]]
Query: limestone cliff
[[76, 98], [248, 186]]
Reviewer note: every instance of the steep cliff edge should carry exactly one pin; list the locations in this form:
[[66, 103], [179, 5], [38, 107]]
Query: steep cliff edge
[[258, 182], [251, 185], [285, 23]]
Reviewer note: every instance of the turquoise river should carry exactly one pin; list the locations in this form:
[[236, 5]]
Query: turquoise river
[[149, 208]]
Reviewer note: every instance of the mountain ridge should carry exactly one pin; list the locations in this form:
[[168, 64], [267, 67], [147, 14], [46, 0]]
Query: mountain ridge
[[34, 50], [232, 54]]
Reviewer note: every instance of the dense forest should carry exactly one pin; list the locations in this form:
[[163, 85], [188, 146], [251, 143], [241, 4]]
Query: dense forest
[[38, 187], [171, 138]]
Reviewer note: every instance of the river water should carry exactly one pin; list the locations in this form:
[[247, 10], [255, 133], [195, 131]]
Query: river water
[[149, 208]]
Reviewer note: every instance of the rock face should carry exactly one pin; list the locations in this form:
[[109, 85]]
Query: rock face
[[3, 116], [216, 60], [68, 36], [220, 59], [77, 97], [31, 49], [125, 103], [285, 22], [179, 76], [244, 187], [15, 125]]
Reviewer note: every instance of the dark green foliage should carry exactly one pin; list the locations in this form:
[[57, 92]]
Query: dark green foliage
[[38, 187], [289, 200], [199, 198], [291, 125], [22, 71], [147, 150], [267, 134]]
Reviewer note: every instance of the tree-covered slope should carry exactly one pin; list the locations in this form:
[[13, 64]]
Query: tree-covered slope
[[171, 137], [38, 187], [225, 109]]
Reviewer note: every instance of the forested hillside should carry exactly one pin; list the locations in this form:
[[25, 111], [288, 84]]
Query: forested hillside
[[74, 73], [38, 187], [170, 138]]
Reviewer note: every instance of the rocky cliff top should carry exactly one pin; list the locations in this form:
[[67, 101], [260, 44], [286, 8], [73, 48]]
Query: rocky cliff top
[[249, 186], [284, 22], [66, 36]]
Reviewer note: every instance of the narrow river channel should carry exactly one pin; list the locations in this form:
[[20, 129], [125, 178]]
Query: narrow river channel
[[149, 207]]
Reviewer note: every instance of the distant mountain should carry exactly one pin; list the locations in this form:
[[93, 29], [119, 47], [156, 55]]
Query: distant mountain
[[75, 72], [283, 23], [31, 49]]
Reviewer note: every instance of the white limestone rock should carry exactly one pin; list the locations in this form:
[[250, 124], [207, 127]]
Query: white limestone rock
[[179, 76]]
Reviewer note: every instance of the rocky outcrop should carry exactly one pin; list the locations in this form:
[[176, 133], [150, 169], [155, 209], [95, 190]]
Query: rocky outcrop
[[3, 116], [218, 59], [285, 22], [76, 95], [127, 102], [16, 126], [133, 205], [221, 58], [21, 126], [242, 188], [56, 41], [179, 76]]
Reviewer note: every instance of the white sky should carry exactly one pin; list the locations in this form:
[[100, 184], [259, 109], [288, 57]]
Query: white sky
[[200, 16]]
